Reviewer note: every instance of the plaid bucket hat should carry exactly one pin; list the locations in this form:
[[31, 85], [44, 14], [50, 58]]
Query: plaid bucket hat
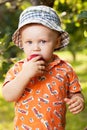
[[42, 15]]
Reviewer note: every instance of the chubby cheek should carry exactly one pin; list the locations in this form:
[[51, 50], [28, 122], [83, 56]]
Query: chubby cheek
[[47, 55], [27, 51]]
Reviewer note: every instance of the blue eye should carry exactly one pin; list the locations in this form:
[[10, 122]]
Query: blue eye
[[42, 41], [29, 42]]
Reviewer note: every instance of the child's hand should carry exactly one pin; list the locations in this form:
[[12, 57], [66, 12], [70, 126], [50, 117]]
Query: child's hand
[[34, 67], [76, 104]]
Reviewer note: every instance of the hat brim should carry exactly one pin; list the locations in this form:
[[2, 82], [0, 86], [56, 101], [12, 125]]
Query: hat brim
[[16, 38]]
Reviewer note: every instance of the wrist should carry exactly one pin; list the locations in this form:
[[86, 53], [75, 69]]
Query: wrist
[[25, 75]]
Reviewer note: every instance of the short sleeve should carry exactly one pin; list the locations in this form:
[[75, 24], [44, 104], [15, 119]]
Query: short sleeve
[[74, 83], [11, 74]]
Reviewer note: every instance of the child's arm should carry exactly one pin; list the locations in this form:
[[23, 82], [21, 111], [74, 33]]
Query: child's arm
[[15, 88], [76, 102]]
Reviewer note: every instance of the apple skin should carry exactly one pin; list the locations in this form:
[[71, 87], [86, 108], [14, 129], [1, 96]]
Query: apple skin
[[34, 55]]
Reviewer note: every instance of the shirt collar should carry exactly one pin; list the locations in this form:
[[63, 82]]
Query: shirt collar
[[56, 61]]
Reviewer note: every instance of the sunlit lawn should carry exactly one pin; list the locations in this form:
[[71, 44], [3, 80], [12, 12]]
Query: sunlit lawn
[[74, 122]]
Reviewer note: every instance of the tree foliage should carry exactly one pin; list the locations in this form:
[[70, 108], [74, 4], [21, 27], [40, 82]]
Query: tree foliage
[[73, 17]]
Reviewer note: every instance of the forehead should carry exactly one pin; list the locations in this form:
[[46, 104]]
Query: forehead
[[36, 25]]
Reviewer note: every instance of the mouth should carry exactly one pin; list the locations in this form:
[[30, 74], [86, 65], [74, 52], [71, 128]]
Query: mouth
[[33, 56]]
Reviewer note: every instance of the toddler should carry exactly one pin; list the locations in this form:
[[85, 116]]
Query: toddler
[[41, 84]]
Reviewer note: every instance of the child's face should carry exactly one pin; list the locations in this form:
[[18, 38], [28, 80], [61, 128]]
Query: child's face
[[38, 39]]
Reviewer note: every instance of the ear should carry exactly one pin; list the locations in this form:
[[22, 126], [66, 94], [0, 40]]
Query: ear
[[58, 42]]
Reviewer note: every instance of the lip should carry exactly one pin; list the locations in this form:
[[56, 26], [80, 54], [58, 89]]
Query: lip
[[34, 55]]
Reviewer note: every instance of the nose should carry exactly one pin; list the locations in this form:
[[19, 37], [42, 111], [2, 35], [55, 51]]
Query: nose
[[36, 47]]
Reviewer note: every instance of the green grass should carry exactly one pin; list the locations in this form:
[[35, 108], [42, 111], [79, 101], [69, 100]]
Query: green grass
[[6, 114], [74, 122]]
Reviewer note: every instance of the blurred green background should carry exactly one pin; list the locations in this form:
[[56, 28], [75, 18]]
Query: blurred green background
[[73, 16]]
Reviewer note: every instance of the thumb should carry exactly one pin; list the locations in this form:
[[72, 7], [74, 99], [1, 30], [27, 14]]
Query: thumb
[[67, 100]]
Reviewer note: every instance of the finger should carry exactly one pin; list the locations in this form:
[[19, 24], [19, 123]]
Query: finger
[[41, 62], [69, 101], [72, 107], [40, 72], [41, 67], [74, 104], [76, 109]]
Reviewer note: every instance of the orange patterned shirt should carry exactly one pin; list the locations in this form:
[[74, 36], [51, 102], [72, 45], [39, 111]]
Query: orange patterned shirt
[[42, 106]]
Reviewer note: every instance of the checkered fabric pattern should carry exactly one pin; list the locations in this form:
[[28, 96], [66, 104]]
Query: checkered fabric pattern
[[42, 15]]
